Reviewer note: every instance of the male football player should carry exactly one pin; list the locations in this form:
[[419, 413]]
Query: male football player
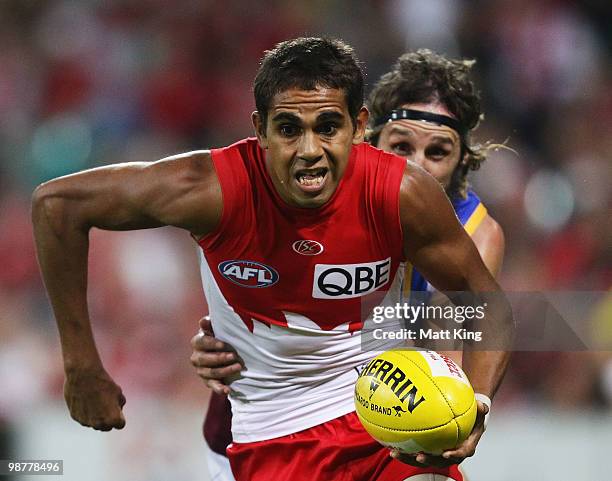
[[293, 313]]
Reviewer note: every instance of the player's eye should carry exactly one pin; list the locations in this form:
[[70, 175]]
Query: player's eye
[[402, 148], [437, 153], [288, 130], [328, 128]]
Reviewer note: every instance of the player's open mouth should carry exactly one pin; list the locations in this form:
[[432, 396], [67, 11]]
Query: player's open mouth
[[311, 180]]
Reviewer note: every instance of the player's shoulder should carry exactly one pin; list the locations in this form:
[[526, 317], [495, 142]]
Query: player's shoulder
[[490, 232], [381, 170], [247, 148], [241, 160], [487, 226], [418, 185], [422, 198], [376, 155]]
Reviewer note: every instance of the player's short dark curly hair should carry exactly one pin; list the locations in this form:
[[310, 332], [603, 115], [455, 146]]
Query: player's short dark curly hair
[[422, 77], [307, 63]]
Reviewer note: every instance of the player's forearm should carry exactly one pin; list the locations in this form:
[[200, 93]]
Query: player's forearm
[[485, 361], [62, 245], [485, 369]]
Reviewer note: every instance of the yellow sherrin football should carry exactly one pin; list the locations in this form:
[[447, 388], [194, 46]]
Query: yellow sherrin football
[[416, 401]]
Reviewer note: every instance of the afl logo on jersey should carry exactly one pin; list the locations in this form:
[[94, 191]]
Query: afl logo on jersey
[[248, 273], [307, 247]]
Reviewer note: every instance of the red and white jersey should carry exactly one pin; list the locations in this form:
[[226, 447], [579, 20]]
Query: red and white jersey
[[290, 287]]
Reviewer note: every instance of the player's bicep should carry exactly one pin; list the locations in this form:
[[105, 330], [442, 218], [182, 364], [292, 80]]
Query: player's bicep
[[182, 191], [434, 240]]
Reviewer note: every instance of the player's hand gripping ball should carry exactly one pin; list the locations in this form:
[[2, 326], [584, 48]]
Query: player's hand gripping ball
[[416, 401]]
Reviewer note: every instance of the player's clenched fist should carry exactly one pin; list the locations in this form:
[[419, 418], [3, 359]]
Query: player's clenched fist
[[215, 361], [94, 400]]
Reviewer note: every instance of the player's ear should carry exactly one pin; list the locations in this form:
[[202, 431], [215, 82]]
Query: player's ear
[[361, 123], [260, 129]]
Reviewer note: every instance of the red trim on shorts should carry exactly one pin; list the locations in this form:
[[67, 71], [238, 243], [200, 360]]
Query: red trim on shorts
[[338, 450]]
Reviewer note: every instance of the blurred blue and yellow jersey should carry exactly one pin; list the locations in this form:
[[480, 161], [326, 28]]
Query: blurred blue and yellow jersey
[[471, 212]]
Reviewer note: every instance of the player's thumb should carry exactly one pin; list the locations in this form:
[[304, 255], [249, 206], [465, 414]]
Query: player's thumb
[[120, 424], [206, 325]]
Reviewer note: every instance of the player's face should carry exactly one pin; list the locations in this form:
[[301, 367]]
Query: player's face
[[308, 140], [436, 148]]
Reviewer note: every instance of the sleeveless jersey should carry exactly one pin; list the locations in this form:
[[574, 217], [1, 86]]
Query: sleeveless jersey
[[290, 288], [470, 212]]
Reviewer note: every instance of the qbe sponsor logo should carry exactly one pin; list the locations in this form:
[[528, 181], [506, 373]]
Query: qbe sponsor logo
[[345, 281], [248, 273]]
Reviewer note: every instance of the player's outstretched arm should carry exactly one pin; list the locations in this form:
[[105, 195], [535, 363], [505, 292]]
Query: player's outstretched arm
[[182, 191], [438, 246]]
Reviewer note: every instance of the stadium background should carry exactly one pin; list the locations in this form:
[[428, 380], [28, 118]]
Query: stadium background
[[87, 83]]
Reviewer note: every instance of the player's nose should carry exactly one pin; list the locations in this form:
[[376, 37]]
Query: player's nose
[[419, 158], [309, 148]]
